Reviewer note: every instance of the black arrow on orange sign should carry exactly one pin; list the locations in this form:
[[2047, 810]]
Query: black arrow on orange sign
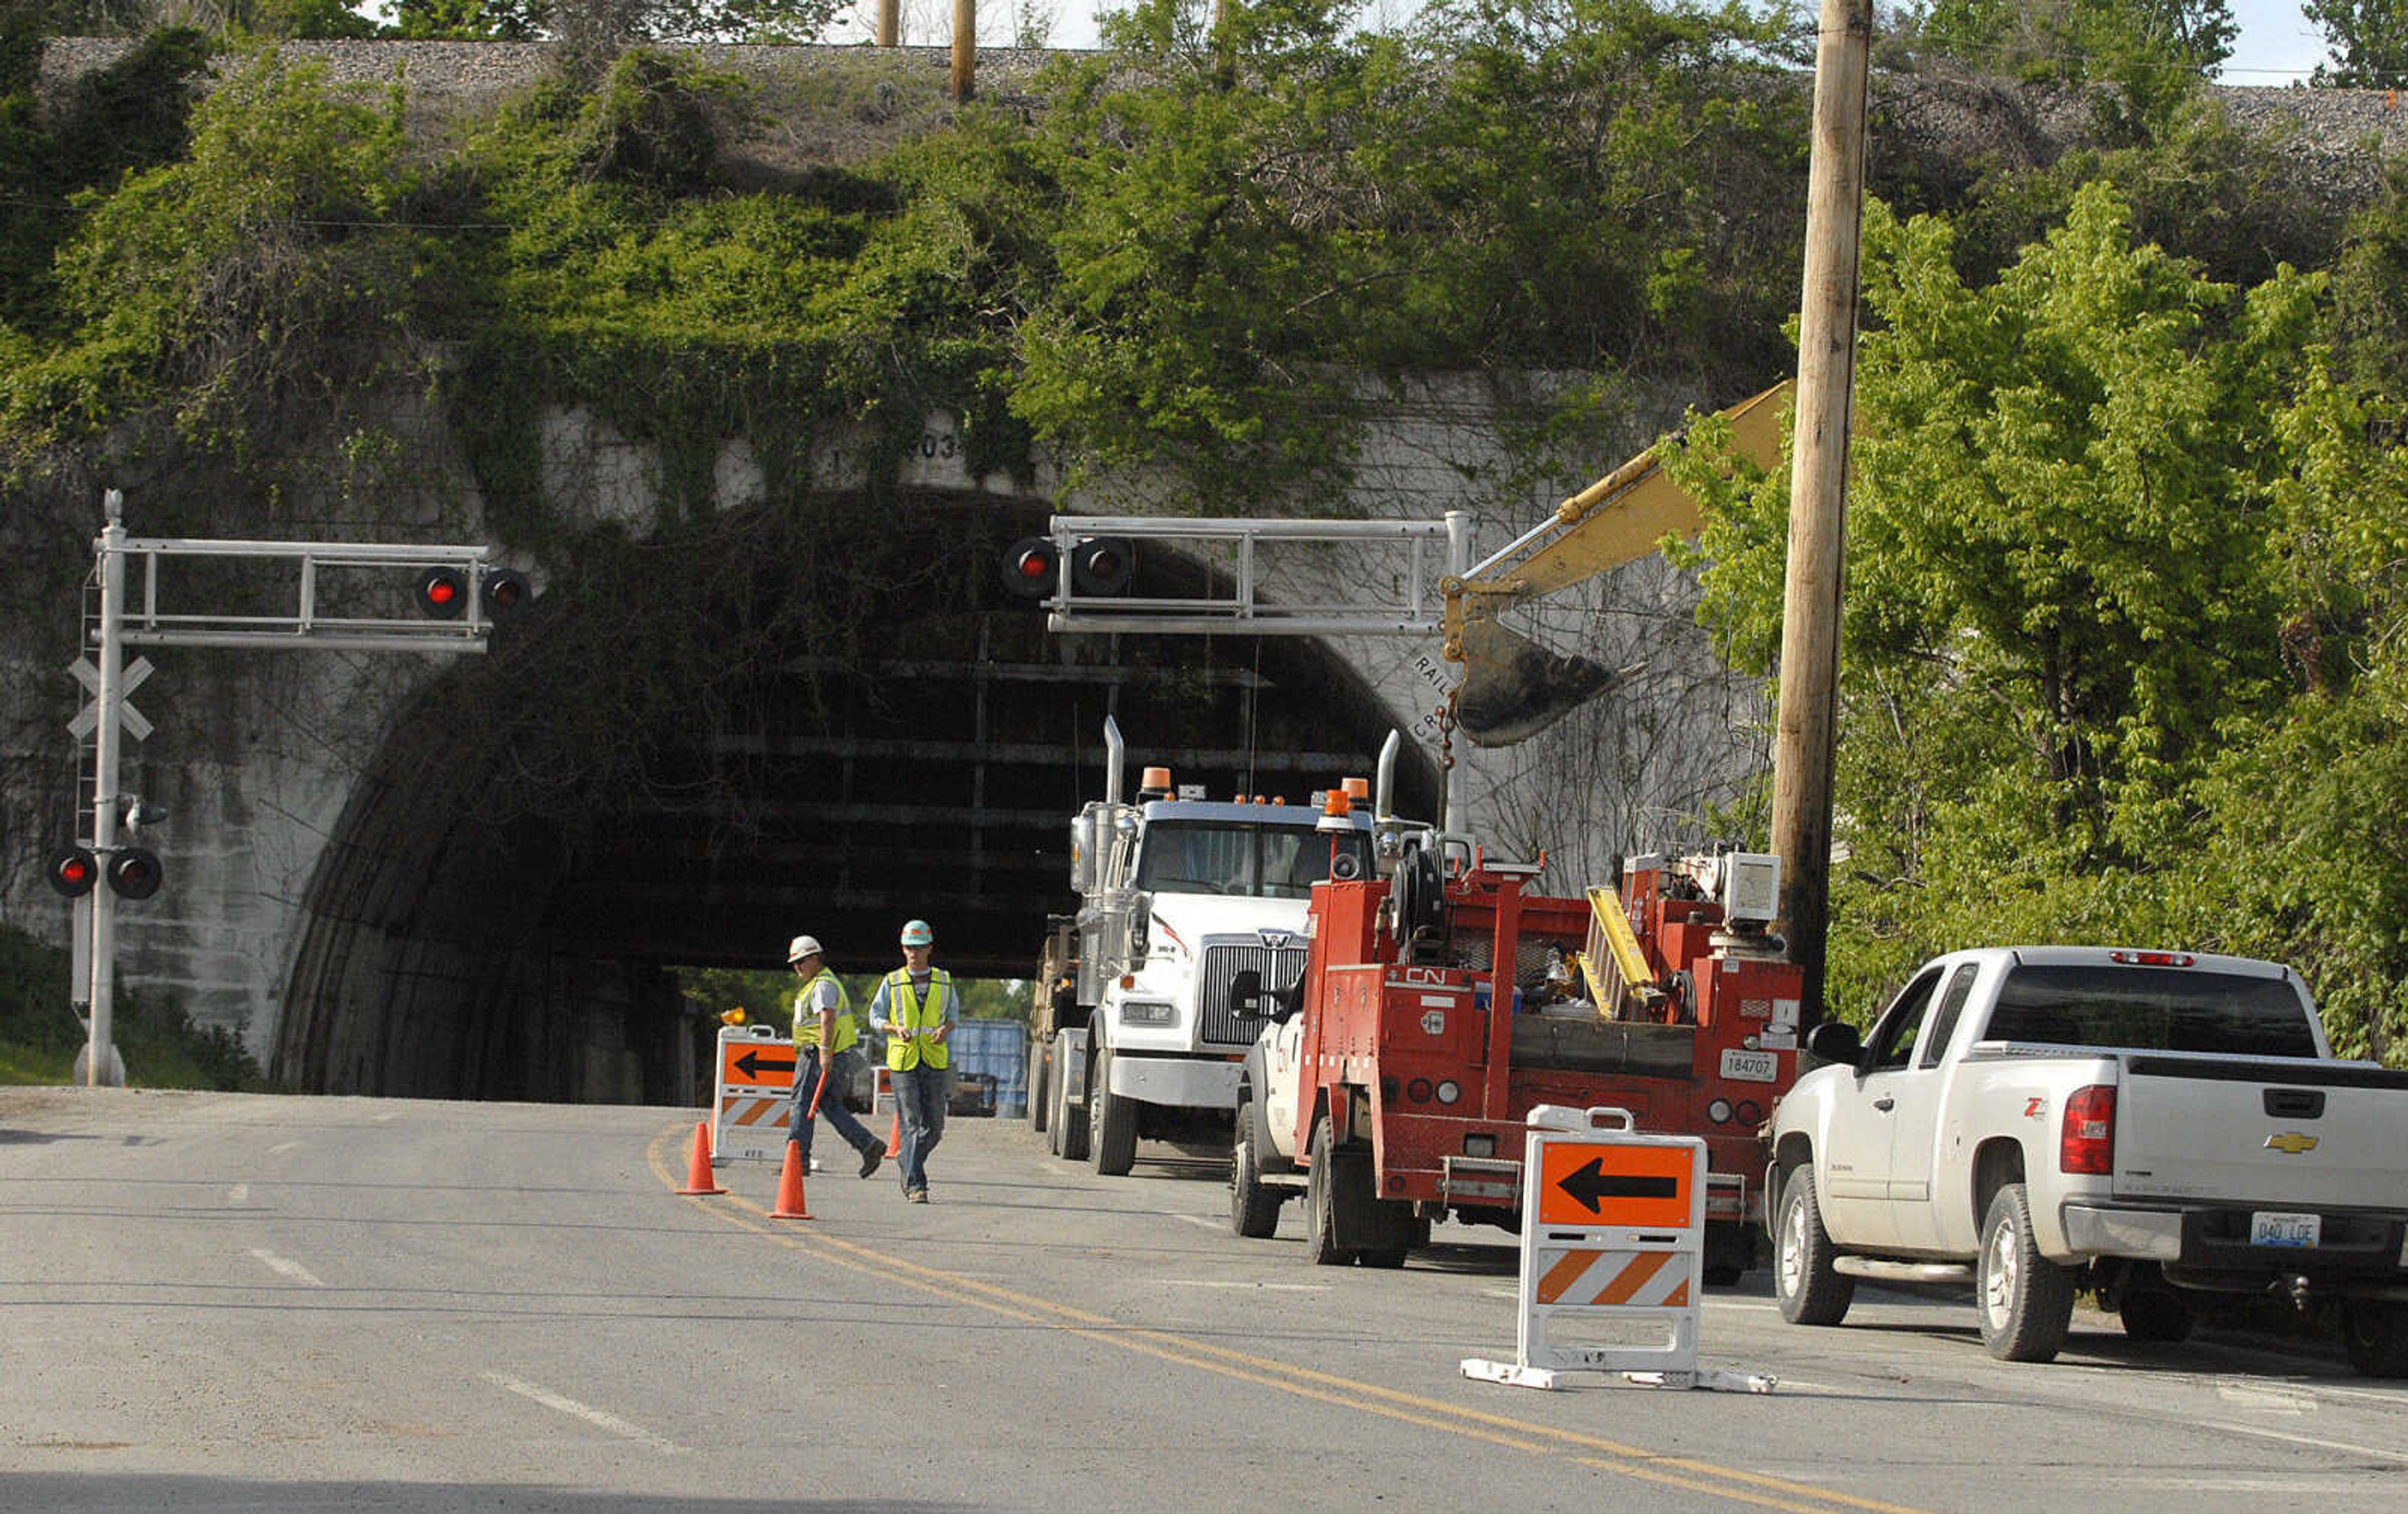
[[753, 1064], [1593, 1182]]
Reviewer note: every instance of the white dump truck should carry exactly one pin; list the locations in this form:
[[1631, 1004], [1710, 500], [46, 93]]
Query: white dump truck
[[1191, 914]]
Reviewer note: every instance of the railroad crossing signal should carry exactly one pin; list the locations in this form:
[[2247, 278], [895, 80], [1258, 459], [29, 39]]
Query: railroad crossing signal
[[459, 594]]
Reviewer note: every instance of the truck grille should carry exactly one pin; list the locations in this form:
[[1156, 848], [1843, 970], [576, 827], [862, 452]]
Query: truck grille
[[1215, 1024]]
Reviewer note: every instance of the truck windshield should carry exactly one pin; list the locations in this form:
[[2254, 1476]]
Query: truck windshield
[[2152, 1009], [1248, 860]]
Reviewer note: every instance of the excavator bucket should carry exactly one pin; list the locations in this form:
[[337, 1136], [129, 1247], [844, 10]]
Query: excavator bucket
[[1514, 688]]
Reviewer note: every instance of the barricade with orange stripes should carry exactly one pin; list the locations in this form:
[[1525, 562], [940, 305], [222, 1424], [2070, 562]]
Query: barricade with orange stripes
[[1613, 1229], [750, 1110]]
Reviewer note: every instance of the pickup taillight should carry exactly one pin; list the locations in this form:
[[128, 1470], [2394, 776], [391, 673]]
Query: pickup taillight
[[2085, 1141]]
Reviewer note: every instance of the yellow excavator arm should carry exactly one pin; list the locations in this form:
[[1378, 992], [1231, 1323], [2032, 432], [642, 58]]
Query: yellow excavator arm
[[1511, 689]]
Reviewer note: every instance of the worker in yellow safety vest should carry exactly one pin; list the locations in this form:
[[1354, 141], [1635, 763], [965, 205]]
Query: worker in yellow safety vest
[[915, 1008], [824, 1036]]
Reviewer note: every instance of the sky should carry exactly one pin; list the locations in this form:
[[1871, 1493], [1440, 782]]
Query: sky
[[2277, 43]]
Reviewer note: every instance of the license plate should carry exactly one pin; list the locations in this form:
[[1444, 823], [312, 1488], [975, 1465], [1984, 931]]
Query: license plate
[[2268, 1228], [1751, 1066]]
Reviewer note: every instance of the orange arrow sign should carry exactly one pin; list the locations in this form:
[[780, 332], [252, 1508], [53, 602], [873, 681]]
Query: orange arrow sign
[[757, 1065], [1593, 1183]]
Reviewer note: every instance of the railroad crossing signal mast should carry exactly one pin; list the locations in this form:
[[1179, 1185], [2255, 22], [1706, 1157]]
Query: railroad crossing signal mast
[[458, 594]]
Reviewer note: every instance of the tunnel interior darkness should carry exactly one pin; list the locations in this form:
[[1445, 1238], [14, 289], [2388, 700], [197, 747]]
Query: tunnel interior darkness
[[687, 751]]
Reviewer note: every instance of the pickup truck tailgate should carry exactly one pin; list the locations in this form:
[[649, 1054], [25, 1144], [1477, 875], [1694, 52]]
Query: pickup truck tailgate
[[2275, 1132]]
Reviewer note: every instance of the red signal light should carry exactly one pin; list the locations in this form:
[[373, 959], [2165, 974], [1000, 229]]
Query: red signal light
[[441, 594], [73, 871], [1031, 568]]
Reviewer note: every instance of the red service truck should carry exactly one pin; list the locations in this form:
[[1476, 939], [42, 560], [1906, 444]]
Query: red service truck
[[1391, 1089]]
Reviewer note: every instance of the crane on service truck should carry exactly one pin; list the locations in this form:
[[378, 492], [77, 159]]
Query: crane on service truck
[[1390, 1090], [1182, 901]]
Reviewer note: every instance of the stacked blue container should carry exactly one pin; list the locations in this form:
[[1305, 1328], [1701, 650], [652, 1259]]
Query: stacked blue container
[[994, 1053]]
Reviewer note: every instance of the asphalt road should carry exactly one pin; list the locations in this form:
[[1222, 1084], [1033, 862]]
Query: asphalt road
[[232, 1302]]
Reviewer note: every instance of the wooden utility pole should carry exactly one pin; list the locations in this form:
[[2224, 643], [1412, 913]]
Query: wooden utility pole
[[965, 47], [889, 22], [1818, 507]]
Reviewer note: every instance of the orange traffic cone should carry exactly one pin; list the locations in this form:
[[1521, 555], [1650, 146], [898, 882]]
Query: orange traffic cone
[[699, 1178], [791, 1203]]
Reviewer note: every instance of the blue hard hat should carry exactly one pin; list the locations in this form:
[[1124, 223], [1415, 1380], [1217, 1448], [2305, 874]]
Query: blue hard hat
[[917, 934]]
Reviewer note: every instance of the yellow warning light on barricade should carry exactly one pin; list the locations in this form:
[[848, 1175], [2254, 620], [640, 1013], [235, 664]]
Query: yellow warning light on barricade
[[732, 1017]]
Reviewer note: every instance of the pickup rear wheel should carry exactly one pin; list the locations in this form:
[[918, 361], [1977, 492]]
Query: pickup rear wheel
[[1253, 1205], [1111, 1121], [1320, 1246], [2027, 1301], [2376, 1332], [1810, 1290]]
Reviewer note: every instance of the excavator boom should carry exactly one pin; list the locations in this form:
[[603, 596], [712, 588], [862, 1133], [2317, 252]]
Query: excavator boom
[[1512, 688]]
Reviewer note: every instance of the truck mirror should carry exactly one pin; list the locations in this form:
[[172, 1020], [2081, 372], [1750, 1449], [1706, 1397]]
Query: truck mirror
[[1288, 1003], [1835, 1041]]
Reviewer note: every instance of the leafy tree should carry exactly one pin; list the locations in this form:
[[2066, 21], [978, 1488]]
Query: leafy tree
[[1591, 183], [2156, 52], [1195, 295], [250, 281], [2368, 42], [2062, 580], [470, 20], [131, 115], [311, 21], [2075, 40]]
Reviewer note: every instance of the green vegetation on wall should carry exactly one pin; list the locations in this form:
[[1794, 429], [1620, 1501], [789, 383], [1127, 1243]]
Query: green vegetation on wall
[[159, 1044]]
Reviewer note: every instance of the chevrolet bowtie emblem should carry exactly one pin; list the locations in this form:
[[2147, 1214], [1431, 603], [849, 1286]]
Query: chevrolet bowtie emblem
[[2290, 1142]]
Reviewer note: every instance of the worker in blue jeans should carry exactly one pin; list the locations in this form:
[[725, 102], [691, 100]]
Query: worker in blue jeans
[[824, 1035], [915, 1008]]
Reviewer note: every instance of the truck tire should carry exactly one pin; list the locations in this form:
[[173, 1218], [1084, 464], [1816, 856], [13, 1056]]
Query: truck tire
[[1069, 1121], [1040, 1056], [2376, 1332], [1320, 1246], [1810, 1290], [2025, 1300], [1253, 1205], [1111, 1121], [1382, 1228]]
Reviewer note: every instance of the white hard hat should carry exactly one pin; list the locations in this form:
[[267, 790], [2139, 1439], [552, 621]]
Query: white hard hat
[[803, 946], [918, 934]]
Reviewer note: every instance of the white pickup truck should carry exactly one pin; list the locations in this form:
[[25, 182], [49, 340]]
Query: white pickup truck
[[2044, 1120]]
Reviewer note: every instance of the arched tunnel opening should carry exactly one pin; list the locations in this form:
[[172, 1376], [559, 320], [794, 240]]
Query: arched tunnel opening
[[688, 751]]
